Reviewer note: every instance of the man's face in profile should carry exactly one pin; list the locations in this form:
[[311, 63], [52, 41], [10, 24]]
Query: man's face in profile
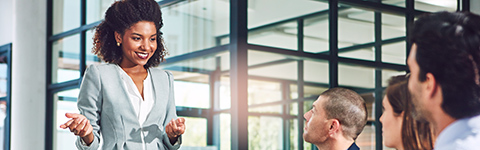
[[415, 86], [316, 125]]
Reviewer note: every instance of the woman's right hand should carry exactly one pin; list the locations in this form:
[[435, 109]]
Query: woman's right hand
[[80, 126]]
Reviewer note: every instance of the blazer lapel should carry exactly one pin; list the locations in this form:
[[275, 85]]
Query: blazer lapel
[[123, 97], [159, 82]]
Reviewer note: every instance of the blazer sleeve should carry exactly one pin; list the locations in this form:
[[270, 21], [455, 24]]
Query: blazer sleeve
[[89, 104], [171, 113]]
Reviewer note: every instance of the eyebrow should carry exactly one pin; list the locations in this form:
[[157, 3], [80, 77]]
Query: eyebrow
[[141, 34]]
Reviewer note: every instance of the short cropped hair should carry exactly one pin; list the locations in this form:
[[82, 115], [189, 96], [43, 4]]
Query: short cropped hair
[[448, 47], [120, 16], [348, 107]]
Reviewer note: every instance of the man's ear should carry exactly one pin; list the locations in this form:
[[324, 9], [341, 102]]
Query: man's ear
[[431, 86], [118, 37], [335, 127]]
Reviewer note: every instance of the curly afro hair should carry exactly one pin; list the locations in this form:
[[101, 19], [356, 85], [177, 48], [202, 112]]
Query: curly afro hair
[[120, 16]]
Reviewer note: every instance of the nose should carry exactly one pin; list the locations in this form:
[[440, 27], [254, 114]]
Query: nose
[[381, 118], [307, 115], [146, 45]]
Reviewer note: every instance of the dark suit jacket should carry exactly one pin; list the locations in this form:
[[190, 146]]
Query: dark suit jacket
[[353, 147]]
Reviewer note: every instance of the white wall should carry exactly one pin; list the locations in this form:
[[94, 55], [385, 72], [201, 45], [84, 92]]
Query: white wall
[[6, 19], [28, 75]]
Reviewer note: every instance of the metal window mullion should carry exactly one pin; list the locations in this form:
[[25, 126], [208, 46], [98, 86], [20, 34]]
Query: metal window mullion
[[333, 40], [83, 20], [8, 111], [378, 81], [49, 119], [238, 74], [300, 83]]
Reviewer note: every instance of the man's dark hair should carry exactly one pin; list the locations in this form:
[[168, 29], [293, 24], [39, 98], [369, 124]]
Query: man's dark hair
[[448, 46], [120, 16], [348, 107]]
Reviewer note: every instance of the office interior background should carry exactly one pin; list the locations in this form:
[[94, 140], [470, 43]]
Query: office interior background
[[245, 71]]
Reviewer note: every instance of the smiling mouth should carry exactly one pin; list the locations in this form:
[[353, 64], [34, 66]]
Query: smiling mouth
[[142, 55]]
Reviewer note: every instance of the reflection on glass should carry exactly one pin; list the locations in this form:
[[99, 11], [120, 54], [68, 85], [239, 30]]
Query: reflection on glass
[[261, 12], [436, 5], [196, 135], [293, 109], [91, 57], [263, 92], [355, 27], [277, 109], [315, 73], [387, 74], [225, 131], [356, 76], [65, 55], [66, 15], [3, 79], [393, 26], [3, 103], [66, 101], [225, 97], [270, 65], [366, 139], [96, 9], [395, 53], [370, 102], [400, 3], [281, 36], [315, 31], [191, 90], [293, 124], [195, 25], [275, 27], [265, 132]]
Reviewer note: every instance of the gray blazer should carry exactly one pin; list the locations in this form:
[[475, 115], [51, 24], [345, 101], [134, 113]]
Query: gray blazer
[[103, 100]]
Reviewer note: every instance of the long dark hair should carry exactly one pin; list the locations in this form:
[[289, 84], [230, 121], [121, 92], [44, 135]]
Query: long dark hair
[[120, 16], [416, 135]]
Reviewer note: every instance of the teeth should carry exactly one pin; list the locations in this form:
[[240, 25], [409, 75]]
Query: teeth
[[143, 54]]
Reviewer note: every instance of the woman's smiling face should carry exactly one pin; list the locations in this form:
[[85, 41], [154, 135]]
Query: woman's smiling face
[[138, 43]]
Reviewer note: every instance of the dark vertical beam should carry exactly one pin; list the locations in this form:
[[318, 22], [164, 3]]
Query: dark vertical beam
[[465, 5], [333, 40], [378, 109], [238, 74], [301, 96], [300, 84], [378, 81], [83, 21], [49, 120], [285, 90], [409, 17], [212, 125], [8, 114]]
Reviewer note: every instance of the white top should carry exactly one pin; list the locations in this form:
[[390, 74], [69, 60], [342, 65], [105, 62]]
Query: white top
[[463, 134], [141, 106]]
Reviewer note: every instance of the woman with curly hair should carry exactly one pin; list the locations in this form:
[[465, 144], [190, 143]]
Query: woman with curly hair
[[400, 130], [126, 101]]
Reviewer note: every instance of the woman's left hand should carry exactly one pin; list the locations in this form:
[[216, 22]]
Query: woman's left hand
[[175, 128]]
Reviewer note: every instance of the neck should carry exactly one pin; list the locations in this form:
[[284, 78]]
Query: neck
[[133, 69], [336, 144], [440, 121]]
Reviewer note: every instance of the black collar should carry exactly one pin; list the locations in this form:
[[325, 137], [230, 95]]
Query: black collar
[[353, 147]]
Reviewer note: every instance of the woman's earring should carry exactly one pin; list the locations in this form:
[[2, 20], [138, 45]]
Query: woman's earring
[[118, 43]]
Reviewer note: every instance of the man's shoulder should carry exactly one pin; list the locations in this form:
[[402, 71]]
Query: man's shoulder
[[462, 134], [353, 147]]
